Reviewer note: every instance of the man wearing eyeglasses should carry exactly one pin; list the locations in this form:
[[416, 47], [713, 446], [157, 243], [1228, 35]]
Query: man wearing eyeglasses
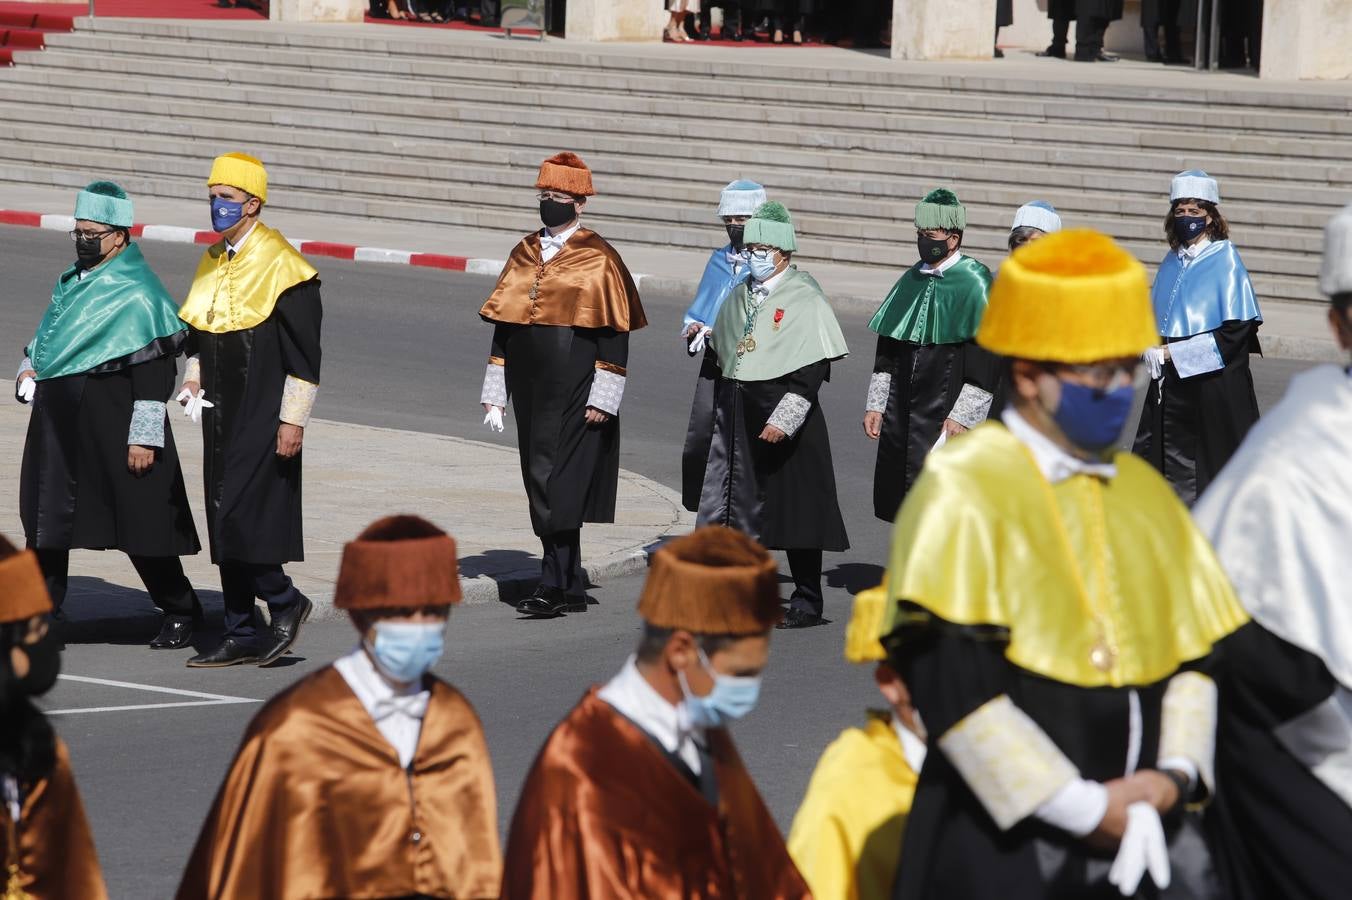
[[100, 470], [1053, 609], [561, 313]]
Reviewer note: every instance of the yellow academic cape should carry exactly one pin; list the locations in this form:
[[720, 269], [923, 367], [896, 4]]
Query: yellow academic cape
[[846, 837]]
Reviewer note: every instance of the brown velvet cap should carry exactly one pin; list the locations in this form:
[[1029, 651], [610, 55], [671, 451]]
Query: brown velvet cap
[[23, 591], [398, 562], [712, 581], [565, 172]]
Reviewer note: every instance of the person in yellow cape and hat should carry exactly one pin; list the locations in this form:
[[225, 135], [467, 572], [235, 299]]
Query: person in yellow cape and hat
[[1055, 607], [846, 837], [253, 372], [370, 777], [46, 848]]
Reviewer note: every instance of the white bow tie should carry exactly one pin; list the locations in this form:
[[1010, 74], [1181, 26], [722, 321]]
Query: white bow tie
[[412, 705], [759, 290], [552, 241]]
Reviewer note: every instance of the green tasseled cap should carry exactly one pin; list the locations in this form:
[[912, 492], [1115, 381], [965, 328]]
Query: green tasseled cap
[[771, 225], [106, 203], [940, 209]]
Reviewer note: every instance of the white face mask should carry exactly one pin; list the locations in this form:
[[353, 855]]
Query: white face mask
[[763, 264]]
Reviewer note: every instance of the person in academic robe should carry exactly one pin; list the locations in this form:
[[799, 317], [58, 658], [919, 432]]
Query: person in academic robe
[[1278, 516], [1157, 14], [370, 777], [639, 793], [930, 382], [100, 470], [846, 836], [770, 472], [726, 268], [1202, 402], [46, 847], [561, 314], [254, 312], [1033, 220], [1092, 18], [1004, 15], [1054, 611]]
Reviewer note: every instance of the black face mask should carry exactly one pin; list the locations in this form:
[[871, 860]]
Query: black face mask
[[1188, 227], [88, 251], [553, 213], [735, 233], [931, 249], [44, 662]]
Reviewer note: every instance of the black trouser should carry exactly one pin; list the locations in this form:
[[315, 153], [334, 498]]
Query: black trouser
[[562, 562], [1089, 36], [168, 587], [806, 568], [1168, 18], [241, 584]]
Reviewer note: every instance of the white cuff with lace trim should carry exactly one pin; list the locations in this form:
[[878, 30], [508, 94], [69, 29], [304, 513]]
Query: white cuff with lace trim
[[790, 413], [147, 424], [879, 388], [25, 366], [972, 407], [1188, 725], [494, 391], [298, 400], [192, 370], [607, 391]]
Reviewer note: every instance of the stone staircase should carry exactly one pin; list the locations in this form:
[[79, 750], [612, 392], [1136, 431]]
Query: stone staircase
[[448, 133]]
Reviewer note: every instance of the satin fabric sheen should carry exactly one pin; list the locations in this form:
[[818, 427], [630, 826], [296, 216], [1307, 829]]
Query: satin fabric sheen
[[1148, 569], [807, 331], [244, 289], [1280, 513], [56, 848], [604, 815], [1214, 288], [715, 286], [585, 285], [925, 309], [316, 805], [118, 308]]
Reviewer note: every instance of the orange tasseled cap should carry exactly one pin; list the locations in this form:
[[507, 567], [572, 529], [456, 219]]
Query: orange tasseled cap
[[398, 562], [712, 581], [565, 172]]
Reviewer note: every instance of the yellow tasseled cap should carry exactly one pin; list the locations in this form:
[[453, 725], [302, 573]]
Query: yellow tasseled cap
[[862, 635], [1071, 297], [239, 170]]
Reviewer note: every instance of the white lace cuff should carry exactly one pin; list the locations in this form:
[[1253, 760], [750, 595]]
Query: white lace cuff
[[494, 392], [192, 370], [879, 388], [298, 399], [1188, 724], [607, 391], [790, 413], [24, 366], [147, 424], [1196, 356], [972, 407]]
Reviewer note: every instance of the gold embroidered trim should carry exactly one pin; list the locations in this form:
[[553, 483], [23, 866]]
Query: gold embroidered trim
[[1188, 723], [298, 400]]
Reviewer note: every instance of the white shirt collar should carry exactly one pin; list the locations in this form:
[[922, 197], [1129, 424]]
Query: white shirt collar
[[766, 287], [927, 269], [912, 747], [561, 237], [229, 247], [1192, 251], [638, 701], [1055, 463], [398, 714]]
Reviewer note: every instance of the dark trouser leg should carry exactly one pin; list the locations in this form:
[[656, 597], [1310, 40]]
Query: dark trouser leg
[[806, 568], [1060, 34], [550, 575], [1151, 43], [562, 563], [55, 565], [1089, 36], [168, 587], [242, 583]]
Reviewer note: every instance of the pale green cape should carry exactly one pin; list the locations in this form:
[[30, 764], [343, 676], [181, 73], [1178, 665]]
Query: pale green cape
[[808, 331]]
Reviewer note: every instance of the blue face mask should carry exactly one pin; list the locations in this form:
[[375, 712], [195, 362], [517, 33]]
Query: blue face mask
[[403, 651], [761, 269], [732, 698], [1188, 227], [225, 214], [1091, 418]]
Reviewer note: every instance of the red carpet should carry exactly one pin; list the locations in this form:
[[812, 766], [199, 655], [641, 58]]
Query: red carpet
[[60, 16], [457, 26]]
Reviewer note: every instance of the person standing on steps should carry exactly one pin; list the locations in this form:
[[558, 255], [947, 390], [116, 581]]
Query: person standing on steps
[[561, 314], [255, 313], [100, 469]]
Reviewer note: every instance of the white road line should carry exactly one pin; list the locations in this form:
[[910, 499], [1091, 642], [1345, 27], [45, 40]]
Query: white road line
[[218, 698], [101, 709]]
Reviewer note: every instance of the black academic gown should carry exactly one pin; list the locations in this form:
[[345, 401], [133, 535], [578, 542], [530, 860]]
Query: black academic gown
[[783, 494], [1278, 831], [699, 434], [1190, 427], [253, 496], [1110, 10], [926, 382], [75, 491], [1004, 13], [570, 469]]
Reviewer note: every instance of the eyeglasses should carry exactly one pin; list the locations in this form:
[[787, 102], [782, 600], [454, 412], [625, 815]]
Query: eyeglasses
[[763, 255], [1108, 376], [556, 197], [90, 235]]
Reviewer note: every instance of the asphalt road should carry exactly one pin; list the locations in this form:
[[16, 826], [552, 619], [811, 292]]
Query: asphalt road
[[404, 348]]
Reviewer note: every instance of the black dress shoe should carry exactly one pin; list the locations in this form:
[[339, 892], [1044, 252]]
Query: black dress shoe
[[285, 629], [550, 602], [800, 618], [1054, 52], [175, 633], [230, 653]]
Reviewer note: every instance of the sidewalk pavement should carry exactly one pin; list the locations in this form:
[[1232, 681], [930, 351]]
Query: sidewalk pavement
[[1290, 330], [353, 475]]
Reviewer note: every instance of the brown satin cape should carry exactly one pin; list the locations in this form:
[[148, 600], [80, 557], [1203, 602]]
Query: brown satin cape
[[316, 805], [605, 815], [56, 849], [585, 285]]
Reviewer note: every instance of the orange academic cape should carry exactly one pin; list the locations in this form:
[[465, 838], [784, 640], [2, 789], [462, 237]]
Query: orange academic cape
[[56, 850], [604, 815], [316, 805]]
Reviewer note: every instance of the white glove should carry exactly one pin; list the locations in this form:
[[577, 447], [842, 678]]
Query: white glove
[[1154, 361], [1142, 850], [698, 341], [493, 419], [196, 403], [27, 388]]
